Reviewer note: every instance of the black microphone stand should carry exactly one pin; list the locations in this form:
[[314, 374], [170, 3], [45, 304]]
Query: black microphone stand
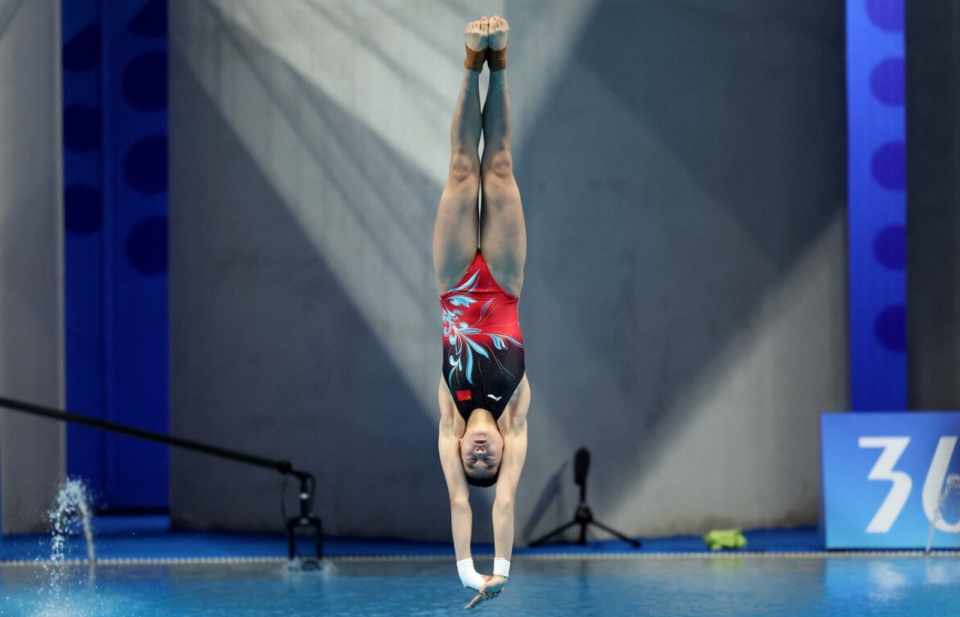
[[307, 520], [584, 516], [308, 483]]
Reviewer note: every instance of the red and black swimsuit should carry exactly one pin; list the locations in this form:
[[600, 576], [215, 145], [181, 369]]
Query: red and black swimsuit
[[482, 344]]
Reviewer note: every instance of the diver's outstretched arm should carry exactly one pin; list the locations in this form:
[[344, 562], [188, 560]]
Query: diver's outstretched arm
[[514, 456], [461, 515]]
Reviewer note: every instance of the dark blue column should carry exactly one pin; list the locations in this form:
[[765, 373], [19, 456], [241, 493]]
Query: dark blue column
[[115, 172], [83, 232]]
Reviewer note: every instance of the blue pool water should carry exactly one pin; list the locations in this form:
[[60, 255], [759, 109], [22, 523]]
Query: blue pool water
[[677, 585]]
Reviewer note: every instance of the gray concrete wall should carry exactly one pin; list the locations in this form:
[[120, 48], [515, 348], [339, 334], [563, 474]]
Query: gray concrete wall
[[31, 282], [683, 173], [933, 197]]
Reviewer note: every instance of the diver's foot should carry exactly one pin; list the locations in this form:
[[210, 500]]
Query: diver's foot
[[475, 38], [497, 42]]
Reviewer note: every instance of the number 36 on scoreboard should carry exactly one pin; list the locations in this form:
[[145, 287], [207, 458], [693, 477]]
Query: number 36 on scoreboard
[[885, 469], [872, 466]]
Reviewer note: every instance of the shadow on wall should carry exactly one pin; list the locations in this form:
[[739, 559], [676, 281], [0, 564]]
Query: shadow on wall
[[368, 180], [687, 159], [8, 11], [674, 176], [933, 195], [271, 351], [550, 503]]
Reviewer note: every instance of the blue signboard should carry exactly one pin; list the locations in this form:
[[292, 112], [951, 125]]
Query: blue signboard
[[891, 480]]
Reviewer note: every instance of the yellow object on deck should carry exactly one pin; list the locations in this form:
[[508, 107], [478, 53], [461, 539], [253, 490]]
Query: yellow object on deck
[[724, 538]]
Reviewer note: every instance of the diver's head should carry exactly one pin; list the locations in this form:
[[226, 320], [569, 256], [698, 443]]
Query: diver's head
[[481, 451]]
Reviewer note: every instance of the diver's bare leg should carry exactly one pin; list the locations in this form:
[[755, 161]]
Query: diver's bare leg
[[455, 233], [503, 235]]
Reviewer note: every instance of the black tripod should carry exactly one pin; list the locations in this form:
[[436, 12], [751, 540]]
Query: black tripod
[[583, 517], [306, 520]]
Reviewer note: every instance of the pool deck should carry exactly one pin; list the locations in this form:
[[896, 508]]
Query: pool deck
[[123, 538]]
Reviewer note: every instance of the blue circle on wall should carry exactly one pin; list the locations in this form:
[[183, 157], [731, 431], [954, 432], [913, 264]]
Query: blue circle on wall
[[144, 81], [886, 82], [890, 247], [151, 20], [146, 246], [890, 328], [82, 128], [82, 52], [145, 165], [886, 14], [82, 209], [889, 166]]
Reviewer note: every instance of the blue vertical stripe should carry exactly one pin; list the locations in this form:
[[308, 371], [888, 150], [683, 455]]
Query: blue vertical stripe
[[83, 240], [877, 208], [115, 169]]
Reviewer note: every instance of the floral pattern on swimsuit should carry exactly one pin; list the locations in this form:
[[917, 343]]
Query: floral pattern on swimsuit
[[482, 343]]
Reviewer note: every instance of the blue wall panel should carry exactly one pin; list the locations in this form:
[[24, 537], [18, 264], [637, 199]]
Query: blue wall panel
[[83, 234], [877, 208], [115, 98]]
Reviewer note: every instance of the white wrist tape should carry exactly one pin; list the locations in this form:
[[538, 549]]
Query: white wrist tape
[[501, 567], [469, 575]]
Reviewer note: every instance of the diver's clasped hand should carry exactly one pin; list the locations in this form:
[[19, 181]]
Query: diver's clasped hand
[[492, 588]]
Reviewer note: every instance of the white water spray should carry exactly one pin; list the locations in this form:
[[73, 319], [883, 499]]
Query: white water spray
[[72, 511], [950, 497], [73, 506]]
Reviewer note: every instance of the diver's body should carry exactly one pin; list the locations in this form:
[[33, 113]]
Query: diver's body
[[479, 250]]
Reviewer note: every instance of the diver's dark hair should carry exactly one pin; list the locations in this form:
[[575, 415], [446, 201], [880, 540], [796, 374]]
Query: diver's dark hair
[[483, 482]]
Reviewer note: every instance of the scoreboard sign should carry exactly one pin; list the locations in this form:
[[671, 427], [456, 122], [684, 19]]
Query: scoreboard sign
[[891, 480]]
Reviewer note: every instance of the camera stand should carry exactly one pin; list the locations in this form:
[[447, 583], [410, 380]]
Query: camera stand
[[306, 520]]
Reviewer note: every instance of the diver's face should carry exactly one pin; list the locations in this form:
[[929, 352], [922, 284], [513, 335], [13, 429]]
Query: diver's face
[[481, 452]]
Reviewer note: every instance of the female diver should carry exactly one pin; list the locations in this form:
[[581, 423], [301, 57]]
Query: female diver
[[479, 250]]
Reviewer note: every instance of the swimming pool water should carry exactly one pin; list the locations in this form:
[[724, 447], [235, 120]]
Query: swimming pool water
[[650, 586]]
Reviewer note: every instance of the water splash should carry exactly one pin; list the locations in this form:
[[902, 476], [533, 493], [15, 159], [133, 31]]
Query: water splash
[[300, 566], [73, 505], [72, 511], [949, 497]]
